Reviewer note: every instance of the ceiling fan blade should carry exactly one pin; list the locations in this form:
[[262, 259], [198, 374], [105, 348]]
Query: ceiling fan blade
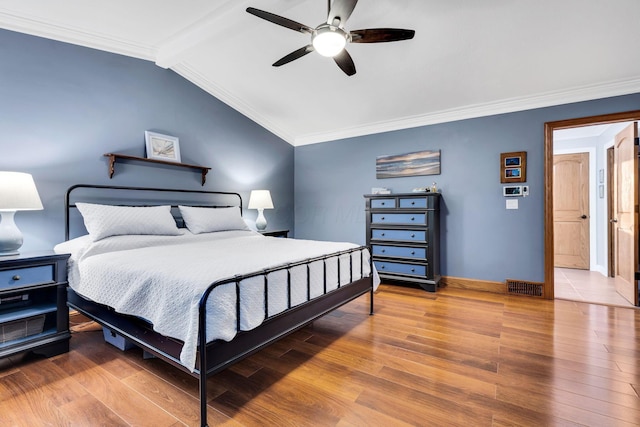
[[294, 55], [341, 9], [379, 35], [344, 61], [285, 22]]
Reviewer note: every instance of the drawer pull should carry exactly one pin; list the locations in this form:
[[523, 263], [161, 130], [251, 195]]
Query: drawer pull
[[413, 270], [382, 267], [413, 203], [383, 251], [16, 277], [413, 219], [382, 234], [413, 252], [382, 203], [413, 235], [382, 218]]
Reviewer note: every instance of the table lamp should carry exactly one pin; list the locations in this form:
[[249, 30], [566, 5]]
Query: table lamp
[[17, 193], [261, 200]]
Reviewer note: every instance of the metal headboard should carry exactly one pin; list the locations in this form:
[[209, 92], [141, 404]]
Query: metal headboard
[[144, 196]]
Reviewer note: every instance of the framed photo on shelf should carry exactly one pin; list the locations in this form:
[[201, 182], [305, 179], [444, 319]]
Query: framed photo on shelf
[[162, 147], [513, 167]]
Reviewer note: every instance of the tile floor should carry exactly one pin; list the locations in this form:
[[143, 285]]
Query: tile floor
[[587, 286]]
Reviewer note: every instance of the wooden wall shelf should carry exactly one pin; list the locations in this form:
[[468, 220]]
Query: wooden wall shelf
[[114, 157]]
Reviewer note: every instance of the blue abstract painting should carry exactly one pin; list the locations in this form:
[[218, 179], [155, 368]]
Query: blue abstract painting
[[409, 164]]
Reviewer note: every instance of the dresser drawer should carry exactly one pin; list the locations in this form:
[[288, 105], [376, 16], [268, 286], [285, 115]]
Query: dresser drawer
[[383, 203], [405, 235], [413, 202], [399, 218], [399, 251], [19, 277], [400, 268]]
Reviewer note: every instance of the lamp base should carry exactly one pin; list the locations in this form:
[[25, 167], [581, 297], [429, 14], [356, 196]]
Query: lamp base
[[261, 221], [10, 236]]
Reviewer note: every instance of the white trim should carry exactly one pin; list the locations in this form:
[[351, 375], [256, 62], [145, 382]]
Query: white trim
[[593, 190], [234, 102], [577, 94], [76, 36], [170, 53]]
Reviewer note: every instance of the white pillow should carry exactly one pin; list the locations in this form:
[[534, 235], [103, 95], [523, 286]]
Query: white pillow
[[206, 220], [105, 220]]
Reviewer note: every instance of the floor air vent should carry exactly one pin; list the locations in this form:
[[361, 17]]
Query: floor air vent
[[519, 287]]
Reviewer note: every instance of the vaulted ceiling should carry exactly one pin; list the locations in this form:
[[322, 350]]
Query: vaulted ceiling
[[468, 58]]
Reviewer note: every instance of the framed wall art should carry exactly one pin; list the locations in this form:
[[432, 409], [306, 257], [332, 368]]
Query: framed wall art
[[162, 147], [409, 164], [513, 167]]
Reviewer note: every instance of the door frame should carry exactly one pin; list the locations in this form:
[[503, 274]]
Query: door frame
[[549, 127]]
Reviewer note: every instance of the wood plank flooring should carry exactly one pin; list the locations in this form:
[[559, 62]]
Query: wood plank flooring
[[453, 358]]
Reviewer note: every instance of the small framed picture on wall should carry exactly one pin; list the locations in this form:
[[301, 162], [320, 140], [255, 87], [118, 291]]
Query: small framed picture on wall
[[162, 147], [513, 167]]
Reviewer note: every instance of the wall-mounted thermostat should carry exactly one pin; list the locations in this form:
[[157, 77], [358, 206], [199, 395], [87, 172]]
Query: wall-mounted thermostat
[[515, 190]]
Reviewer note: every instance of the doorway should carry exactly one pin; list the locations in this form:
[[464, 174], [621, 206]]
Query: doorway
[[599, 177]]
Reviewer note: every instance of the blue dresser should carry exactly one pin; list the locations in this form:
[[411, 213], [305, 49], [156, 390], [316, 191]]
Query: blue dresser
[[403, 232]]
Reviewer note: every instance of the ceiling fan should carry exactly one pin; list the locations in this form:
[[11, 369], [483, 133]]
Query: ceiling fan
[[330, 38]]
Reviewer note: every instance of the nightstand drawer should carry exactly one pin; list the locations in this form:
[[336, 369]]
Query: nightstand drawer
[[407, 235], [383, 203], [19, 277], [400, 268], [408, 218], [399, 251]]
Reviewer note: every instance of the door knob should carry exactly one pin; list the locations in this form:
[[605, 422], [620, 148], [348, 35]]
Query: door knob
[[613, 220], [583, 217]]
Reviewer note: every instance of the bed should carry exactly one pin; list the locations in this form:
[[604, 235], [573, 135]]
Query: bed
[[179, 274]]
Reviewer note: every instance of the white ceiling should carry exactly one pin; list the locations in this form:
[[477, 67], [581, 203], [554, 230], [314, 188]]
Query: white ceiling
[[469, 58]]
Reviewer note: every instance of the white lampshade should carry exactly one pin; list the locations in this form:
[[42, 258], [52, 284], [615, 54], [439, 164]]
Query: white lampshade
[[260, 199], [17, 193]]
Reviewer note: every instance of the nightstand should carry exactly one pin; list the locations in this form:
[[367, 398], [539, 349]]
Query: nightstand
[[275, 233], [33, 304]]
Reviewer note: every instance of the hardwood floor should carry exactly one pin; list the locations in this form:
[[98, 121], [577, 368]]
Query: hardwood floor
[[456, 357]]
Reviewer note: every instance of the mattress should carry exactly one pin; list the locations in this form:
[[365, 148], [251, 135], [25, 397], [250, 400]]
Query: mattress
[[162, 278]]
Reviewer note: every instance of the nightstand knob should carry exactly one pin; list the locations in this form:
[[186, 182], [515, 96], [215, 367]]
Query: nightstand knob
[[16, 277]]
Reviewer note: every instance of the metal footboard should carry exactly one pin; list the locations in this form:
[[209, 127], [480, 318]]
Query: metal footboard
[[205, 370]]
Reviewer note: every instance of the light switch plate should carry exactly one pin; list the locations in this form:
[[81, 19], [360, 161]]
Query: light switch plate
[[512, 203]]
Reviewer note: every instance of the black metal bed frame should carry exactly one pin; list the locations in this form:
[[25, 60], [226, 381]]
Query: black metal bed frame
[[217, 355]]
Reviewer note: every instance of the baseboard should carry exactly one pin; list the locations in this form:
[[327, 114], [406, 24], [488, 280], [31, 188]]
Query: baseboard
[[473, 284]]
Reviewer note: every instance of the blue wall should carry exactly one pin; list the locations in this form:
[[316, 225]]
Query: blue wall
[[481, 239], [63, 106]]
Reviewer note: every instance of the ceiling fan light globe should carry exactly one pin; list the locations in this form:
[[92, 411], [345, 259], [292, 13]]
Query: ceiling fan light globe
[[329, 41]]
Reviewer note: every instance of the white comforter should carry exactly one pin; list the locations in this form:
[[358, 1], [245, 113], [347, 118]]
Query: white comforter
[[161, 278]]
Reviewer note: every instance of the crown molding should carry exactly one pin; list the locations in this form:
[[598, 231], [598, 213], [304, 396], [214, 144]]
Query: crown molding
[[578, 94], [232, 101], [50, 30]]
